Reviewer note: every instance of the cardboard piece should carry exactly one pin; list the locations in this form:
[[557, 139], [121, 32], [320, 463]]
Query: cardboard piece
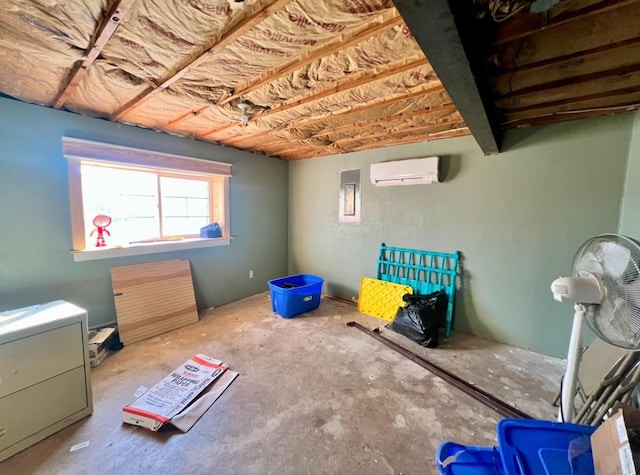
[[614, 443], [182, 397]]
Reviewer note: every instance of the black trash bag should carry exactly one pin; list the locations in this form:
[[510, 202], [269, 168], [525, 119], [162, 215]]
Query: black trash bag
[[421, 317]]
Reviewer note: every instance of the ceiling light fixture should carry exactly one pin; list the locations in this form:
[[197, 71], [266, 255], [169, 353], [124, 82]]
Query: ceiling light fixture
[[245, 107]]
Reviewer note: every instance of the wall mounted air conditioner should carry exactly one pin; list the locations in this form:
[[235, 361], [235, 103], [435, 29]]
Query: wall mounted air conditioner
[[415, 171]]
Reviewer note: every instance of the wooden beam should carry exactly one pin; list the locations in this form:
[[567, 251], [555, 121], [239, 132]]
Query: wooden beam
[[560, 117], [586, 98], [112, 20], [446, 134], [624, 101], [619, 55], [359, 108], [574, 82], [306, 154], [183, 117], [447, 124], [227, 38], [524, 25], [575, 38], [380, 24], [434, 27], [412, 93], [572, 93], [282, 146], [294, 153], [434, 126], [385, 120], [301, 150], [344, 84], [355, 126]]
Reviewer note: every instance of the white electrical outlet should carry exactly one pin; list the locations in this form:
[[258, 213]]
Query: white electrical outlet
[[251, 274]]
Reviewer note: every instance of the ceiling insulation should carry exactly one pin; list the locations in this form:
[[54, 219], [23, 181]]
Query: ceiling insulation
[[321, 77]]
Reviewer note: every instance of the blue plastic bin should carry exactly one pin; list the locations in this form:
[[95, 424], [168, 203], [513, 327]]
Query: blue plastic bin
[[532, 447], [469, 460], [212, 230], [295, 294], [525, 447]]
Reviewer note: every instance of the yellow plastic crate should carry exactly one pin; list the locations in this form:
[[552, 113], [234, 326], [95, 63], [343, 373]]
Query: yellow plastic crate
[[381, 299]]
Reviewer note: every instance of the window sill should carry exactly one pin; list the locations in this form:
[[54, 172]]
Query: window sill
[[148, 248]]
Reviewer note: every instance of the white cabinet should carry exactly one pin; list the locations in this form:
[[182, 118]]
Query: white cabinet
[[45, 383]]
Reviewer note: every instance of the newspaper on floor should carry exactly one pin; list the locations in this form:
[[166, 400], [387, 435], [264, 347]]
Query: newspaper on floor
[[173, 399]]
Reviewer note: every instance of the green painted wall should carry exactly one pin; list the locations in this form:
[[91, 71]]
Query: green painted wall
[[35, 235], [518, 218], [630, 214]]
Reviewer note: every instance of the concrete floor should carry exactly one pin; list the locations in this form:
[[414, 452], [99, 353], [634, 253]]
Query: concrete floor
[[313, 397]]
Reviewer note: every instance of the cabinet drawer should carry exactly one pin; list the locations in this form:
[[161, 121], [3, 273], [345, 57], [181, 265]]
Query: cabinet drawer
[[33, 359], [34, 410]]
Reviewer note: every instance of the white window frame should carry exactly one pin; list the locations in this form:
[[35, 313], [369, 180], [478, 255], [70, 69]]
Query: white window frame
[[77, 150]]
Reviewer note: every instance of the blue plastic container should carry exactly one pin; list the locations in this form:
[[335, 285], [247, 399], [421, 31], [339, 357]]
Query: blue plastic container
[[468, 460], [532, 447], [212, 230], [295, 294]]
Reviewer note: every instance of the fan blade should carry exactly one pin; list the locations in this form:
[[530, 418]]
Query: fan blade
[[616, 259]]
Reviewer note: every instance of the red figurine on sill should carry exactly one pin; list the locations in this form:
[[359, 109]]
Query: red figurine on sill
[[101, 221]]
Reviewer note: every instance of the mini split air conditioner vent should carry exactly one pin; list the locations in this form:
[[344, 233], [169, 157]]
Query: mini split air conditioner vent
[[416, 171]]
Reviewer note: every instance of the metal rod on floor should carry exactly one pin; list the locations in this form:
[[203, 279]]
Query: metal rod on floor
[[338, 299], [478, 394]]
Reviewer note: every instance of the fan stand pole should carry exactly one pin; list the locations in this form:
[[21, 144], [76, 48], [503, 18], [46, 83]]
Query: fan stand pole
[[567, 405]]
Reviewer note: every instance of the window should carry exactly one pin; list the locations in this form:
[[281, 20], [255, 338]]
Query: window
[[149, 197]]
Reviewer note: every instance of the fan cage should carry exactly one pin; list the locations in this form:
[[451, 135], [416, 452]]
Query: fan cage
[[615, 261]]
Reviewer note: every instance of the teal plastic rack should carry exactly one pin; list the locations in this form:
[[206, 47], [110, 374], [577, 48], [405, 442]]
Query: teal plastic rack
[[424, 271]]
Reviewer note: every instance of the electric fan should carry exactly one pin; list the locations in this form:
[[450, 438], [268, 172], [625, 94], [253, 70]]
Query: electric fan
[[606, 290]]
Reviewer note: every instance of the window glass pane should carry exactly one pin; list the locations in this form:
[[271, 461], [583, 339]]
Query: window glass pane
[[187, 187], [129, 197], [132, 199], [174, 207], [198, 207], [185, 205], [138, 229], [183, 226]]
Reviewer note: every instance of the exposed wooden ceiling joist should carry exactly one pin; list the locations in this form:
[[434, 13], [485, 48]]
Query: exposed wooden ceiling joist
[[582, 63], [345, 84], [426, 129], [185, 116], [356, 125], [386, 120], [356, 128], [229, 37], [380, 24], [564, 71], [423, 131], [524, 25], [391, 141], [112, 20], [434, 26], [301, 153], [621, 102], [574, 40], [414, 93]]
